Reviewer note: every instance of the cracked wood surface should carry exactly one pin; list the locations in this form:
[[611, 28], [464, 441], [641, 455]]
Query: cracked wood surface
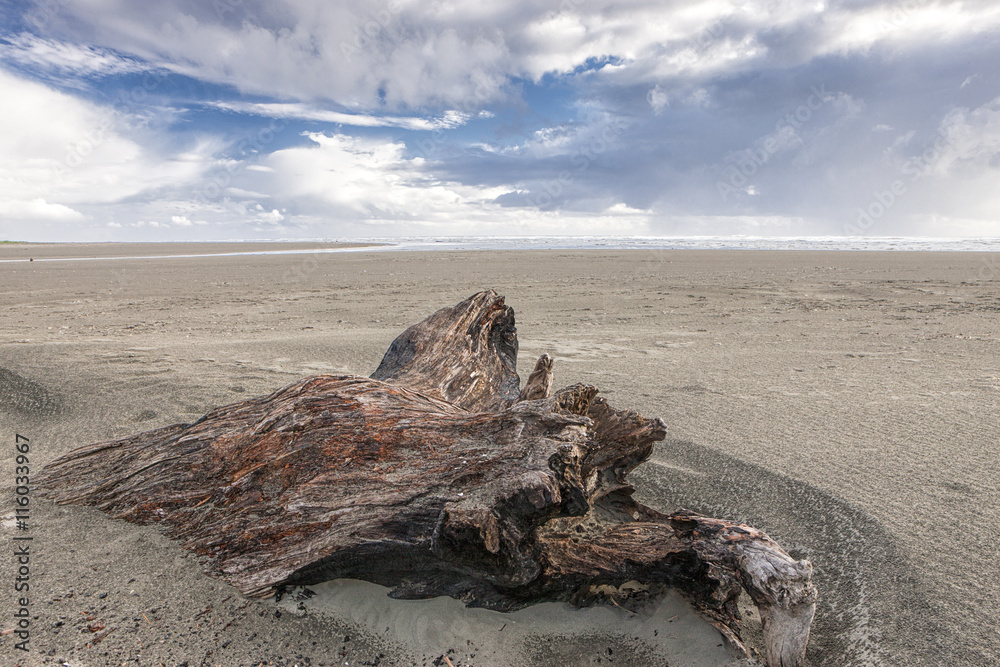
[[438, 476]]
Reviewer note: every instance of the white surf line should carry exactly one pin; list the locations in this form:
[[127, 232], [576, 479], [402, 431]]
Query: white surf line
[[314, 251], [486, 243]]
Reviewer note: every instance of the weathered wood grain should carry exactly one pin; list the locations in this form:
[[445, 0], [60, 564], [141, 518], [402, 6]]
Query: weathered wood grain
[[436, 476], [539, 383], [466, 355]]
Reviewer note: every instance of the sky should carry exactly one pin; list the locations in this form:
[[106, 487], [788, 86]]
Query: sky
[[126, 120]]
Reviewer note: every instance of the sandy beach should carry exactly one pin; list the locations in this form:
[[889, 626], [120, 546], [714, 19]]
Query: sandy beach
[[845, 402]]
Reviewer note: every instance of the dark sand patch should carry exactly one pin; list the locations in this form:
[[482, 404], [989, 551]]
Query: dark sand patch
[[871, 597], [19, 394]]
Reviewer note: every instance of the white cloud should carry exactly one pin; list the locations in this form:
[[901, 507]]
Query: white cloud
[[622, 209], [242, 194], [465, 55], [560, 42], [594, 131], [699, 98], [964, 150], [274, 216], [658, 99], [364, 178], [553, 139], [968, 80], [47, 55], [967, 140], [424, 67], [450, 119], [305, 50], [903, 25], [369, 186], [60, 155], [37, 210]]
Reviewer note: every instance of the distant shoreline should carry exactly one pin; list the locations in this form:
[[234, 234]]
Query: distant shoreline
[[12, 251], [53, 252]]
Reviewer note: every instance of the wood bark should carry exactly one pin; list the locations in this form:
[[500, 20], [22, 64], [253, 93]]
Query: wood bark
[[539, 383], [437, 476], [465, 355]]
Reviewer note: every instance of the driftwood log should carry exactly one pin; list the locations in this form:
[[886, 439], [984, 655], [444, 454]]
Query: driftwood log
[[438, 475]]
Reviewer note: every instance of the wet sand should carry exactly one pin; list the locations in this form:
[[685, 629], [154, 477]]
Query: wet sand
[[845, 402]]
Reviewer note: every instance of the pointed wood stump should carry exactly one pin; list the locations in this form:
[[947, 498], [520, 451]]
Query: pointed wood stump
[[438, 476]]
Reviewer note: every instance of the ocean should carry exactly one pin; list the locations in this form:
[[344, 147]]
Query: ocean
[[395, 244]]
